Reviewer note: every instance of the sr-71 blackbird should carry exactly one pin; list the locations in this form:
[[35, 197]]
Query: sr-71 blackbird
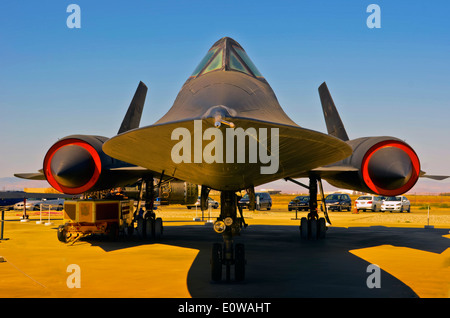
[[226, 131]]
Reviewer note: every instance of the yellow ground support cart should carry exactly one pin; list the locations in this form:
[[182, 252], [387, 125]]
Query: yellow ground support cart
[[85, 217]]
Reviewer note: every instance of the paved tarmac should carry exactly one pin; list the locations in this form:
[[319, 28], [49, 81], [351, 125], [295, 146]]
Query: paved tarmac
[[415, 262], [279, 264]]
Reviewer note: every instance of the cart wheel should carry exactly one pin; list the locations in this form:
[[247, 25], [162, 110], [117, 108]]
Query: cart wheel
[[62, 234]]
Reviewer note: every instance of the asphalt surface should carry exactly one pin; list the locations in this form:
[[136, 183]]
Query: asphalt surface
[[414, 262]]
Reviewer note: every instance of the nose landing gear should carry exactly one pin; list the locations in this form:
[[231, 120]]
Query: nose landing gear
[[228, 254]]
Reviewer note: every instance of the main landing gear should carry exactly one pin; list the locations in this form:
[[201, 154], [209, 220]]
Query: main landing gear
[[313, 227], [148, 225], [228, 254]]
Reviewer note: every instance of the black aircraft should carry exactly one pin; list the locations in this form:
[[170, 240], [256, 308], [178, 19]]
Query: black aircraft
[[226, 131]]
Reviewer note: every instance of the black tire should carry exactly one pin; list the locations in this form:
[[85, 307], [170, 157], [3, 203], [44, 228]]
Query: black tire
[[61, 233], [322, 228], [304, 229], [313, 229], [216, 262], [130, 230], [149, 228], [158, 228], [239, 263], [141, 228]]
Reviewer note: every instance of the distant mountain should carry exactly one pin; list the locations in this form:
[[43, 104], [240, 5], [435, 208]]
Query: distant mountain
[[18, 184]]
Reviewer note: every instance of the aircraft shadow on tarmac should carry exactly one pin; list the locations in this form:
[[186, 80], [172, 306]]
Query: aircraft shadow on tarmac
[[280, 265]]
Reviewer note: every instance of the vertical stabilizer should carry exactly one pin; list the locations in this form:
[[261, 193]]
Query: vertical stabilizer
[[132, 118], [333, 121]]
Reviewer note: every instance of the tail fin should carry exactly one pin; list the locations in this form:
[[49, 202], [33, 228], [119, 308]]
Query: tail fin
[[334, 123], [132, 118]]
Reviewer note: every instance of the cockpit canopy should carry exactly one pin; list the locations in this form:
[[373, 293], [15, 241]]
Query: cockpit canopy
[[226, 55]]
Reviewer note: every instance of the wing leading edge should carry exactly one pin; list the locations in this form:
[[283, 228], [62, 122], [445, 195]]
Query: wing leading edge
[[152, 147]]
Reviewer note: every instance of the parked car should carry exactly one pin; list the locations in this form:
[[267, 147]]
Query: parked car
[[300, 203], [398, 203], [263, 200], [30, 205], [214, 204], [338, 202], [369, 202]]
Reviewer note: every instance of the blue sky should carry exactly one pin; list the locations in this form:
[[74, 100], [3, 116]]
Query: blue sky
[[56, 81]]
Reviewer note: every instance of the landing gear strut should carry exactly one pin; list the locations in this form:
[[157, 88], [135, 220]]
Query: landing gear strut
[[228, 254], [313, 227]]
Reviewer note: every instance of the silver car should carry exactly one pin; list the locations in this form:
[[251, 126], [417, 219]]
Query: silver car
[[369, 202], [398, 203], [213, 203]]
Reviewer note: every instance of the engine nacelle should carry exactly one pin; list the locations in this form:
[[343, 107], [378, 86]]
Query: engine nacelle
[[77, 164], [384, 165], [178, 192]]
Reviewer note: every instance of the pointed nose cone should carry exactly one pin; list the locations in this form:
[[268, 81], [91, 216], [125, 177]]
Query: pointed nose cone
[[390, 168], [72, 166]]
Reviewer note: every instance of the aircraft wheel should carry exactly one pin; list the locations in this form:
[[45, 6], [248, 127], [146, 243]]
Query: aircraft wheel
[[129, 230], [322, 228], [158, 228], [313, 229], [141, 227], [239, 263], [149, 228], [216, 262], [304, 228]]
